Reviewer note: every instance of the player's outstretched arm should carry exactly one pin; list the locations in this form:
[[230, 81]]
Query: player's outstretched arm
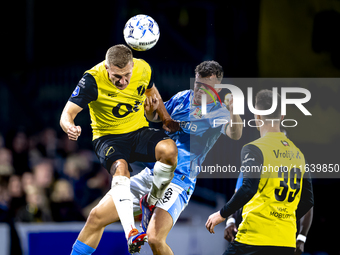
[[168, 123], [67, 120]]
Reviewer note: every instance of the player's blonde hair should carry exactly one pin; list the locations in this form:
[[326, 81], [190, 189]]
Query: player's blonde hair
[[118, 55]]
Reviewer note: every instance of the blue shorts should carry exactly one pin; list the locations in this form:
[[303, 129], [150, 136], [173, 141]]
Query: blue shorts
[[174, 201]]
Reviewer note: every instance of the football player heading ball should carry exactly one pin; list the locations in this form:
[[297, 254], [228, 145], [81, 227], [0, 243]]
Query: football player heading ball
[[115, 91]]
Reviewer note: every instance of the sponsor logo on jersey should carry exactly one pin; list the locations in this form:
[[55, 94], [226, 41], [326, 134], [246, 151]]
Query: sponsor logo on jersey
[[188, 125], [248, 159], [141, 90], [82, 83], [285, 143], [281, 215], [112, 94], [198, 113], [178, 107], [76, 91], [286, 154]]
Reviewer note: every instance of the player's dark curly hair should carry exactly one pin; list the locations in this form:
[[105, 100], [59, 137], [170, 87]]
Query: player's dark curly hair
[[208, 68], [264, 101]]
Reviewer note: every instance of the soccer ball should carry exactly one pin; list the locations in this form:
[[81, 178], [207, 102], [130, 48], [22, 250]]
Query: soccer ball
[[141, 32]]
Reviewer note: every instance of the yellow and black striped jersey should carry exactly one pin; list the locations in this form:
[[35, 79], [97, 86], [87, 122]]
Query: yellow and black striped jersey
[[114, 111]]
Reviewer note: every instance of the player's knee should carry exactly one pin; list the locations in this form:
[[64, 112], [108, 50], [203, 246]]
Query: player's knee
[[120, 167], [155, 242], [93, 220], [166, 152]]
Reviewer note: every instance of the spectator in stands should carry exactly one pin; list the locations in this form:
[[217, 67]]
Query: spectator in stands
[[18, 143], [7, 217], [37, 208], [6, 166], [76, 168], [63, 206], [48, 143], [16, 193], [27, 179], [67, 147], [43, 175]]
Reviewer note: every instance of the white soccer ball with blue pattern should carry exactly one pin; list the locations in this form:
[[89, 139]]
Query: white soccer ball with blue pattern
[[141, 32]]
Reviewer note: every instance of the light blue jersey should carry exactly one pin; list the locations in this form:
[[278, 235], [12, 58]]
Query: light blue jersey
[[198, 135]]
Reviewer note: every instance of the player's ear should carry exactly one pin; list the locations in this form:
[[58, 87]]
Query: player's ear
[[107, 67], [282, 117]]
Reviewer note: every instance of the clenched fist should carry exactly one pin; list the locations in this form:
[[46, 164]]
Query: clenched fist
[[74, 132]]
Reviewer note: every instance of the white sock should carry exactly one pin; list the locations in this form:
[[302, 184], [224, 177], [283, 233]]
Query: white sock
[[122, 197], [163, 175]]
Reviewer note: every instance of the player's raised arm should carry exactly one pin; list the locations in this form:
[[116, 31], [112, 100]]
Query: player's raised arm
[[67, 120], [150, 108], [168, 123], [234, 131]]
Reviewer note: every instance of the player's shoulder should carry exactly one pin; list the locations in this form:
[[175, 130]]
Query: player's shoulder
[[141, 63], [183, 93], [97, 70], [218, 111], [264, 143], [254, 142], [222, 108], [291, 144], [182, 96], [251, 151], [253, 145]]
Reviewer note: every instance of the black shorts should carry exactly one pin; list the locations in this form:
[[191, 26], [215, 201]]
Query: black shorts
[[236, 248], [138, 145]]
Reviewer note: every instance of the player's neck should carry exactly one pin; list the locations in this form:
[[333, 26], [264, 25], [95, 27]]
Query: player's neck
[[196, 104], [266, 128]]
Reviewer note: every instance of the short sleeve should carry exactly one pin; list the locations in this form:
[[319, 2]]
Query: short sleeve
[[176, 101], [85, 92], [151, 82], [170, 104]]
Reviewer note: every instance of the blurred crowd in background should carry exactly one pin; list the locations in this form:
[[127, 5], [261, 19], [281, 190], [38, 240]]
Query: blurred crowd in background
[[46, 178]]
